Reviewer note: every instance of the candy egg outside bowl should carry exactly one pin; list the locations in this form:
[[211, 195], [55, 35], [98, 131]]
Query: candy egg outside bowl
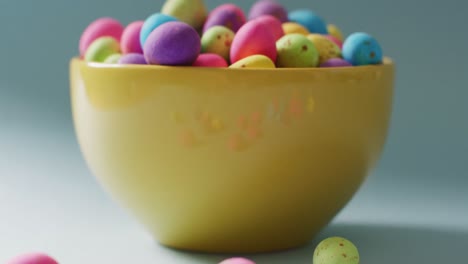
[[231, 160]]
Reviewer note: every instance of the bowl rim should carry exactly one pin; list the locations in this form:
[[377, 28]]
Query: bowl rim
[[387, 63]]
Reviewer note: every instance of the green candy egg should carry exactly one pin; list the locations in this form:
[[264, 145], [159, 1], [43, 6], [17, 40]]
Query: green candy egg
[[101, 49], [192, 12], [217, 39], [296, 51], [113, 59], [336, 250]]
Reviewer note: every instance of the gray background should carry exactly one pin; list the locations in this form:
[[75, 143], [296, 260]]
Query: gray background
[[413, 208]]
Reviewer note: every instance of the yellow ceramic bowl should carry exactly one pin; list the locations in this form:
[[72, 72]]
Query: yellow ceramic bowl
[[231, 160]]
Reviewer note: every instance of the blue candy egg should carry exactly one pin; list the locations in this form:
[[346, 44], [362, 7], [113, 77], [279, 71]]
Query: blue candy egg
[[151, 23], [362, 49], [310, 20]]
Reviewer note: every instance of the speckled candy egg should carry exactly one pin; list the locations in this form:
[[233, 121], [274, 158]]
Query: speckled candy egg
[[132, 58], [103, 27], [130, 41], [113, 59], [192, 12], [102, 48], [362, 49], [254, 62], [210, 60], [296, 51], [273, 24], [335, 62], [335, 32], [254, 38], [293, 28], [326, 48], [228, 15], [172, 43], [310, 20], [268, 7], [336, 250], [217, 39], [32, 258], [151, 23], [237, 261]]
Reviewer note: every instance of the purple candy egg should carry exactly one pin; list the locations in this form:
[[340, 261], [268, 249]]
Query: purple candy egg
[[172, 44], [268, 7], [132, 58], [227, 15], [335, 62]]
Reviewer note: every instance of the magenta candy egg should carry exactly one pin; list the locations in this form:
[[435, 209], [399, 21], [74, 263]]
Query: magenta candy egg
[[172, 43], [132, 58], [254, 38], [103, 27], [273, 24], [268, 7], [335, 40], [335, 62], [227, 15], [32, 258], [130, 40], [210, 60], [237, 261]]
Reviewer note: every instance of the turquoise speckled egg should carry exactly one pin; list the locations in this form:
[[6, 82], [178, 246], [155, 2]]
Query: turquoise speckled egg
[[362, 49]]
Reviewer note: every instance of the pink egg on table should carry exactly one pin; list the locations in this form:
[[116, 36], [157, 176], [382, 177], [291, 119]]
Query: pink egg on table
[[32, 258], [335, 40], [273, 24], [103, 27], [237, 261], [130, 40], [254, 38], [210, 60]]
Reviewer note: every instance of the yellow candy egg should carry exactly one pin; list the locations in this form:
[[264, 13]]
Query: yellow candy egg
[[254, 61], [326, 48], [291, 28], [334, 31]]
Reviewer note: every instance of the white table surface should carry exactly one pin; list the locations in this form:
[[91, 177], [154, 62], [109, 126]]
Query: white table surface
[[50, 202]]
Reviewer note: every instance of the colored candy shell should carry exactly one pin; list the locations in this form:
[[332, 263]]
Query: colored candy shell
[[113, 59], [103, 27], [254, 38], [326, 48], [296, 51], [335, 40], [294, 28], [273, 24], [268, 7], [102, 48], [217, 39], [32, 258], [130, 41], [132, 58], [210, 60], [192, 12], [227, 15], [237, 261], [362, 49], [172, 43], [335, 62], [310, 20], [255, 61], [335, 32], [151, 23], [336, 250]]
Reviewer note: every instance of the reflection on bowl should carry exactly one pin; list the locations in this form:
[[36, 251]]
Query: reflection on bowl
[[226, 160]]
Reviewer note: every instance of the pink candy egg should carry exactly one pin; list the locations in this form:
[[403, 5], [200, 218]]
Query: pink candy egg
[[254, 38], [210, 60], [130, 40], [103, 27], [273, 24], [237, 261], [32, 258], [335, 40]]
